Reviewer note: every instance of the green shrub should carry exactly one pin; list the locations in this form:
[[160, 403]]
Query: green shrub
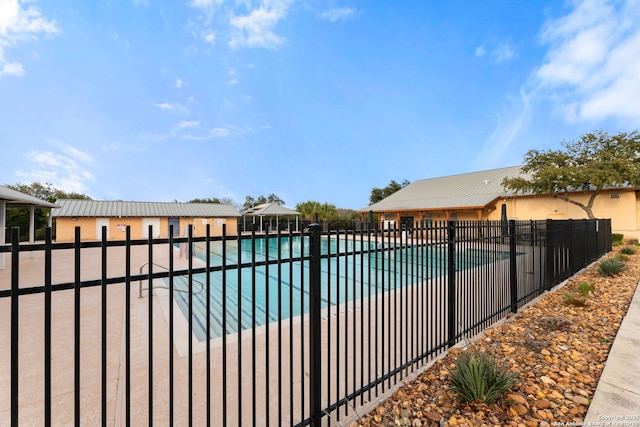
[[628, 250], [611, 267], [616, 239], [477, 376]]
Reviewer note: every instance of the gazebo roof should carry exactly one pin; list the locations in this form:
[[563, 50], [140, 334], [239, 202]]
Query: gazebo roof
[[13, 197], [269, 209]]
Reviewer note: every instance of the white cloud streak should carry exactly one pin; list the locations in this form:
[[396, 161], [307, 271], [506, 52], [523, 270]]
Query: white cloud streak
[[591, 68], [165, 106], [510, 122], [19, 24], [336, 14]]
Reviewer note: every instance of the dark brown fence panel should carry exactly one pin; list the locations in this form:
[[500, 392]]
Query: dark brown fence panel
[[278, 328]]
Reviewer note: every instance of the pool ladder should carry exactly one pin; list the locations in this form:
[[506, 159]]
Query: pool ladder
[[140, 288]]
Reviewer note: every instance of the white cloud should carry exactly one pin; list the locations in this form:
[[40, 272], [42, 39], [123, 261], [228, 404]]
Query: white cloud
[[256, 28], [18, 24], [242, 23], [230, 131], [480, 51], [186, 124], [502, 53], [180, 83], [13, 69], [205, 4], [209, 37], [73, 152], [593, 61], [65, 169], [338, 14], [233, 82], [165, 106]]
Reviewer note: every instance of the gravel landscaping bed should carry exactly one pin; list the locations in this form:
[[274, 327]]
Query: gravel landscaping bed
[[557, 347]]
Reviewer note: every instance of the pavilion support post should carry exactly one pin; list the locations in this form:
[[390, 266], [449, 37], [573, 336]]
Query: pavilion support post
[[32, 224], [3, 221]]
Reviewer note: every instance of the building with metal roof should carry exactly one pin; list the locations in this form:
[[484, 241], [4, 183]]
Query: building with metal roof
[[481, 196], [92, 215]]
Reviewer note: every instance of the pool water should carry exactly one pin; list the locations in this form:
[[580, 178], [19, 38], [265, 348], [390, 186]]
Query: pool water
[[345, 277]]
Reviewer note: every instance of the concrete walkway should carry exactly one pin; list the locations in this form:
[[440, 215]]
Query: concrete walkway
[[617, 397]]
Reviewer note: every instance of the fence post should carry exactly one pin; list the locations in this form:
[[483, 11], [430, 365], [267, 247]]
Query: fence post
[[315, 356], [513, 280], [548, 270], [451, 282]]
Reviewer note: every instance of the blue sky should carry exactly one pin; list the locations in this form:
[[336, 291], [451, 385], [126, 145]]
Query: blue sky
[[311, 100]]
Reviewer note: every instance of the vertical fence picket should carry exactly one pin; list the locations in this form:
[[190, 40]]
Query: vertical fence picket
[[47, 335], [77, 284], [15, 288], [150, 323]]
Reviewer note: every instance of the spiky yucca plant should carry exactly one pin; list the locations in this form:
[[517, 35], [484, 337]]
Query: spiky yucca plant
[[478, 376]]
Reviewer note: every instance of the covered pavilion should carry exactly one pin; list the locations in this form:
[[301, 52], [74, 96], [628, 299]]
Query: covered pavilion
[[16, 199], [268, 210]]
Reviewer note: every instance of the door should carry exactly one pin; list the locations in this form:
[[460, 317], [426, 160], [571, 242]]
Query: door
[[175, 222], [101, 222], [153, 222]]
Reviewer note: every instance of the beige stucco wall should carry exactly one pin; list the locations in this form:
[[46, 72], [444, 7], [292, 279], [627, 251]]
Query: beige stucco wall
[[65, 227], [623, 210]]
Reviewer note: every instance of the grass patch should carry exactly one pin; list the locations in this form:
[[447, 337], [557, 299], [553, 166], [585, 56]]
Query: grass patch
[[479, 377], [571, 299], [585, 288]]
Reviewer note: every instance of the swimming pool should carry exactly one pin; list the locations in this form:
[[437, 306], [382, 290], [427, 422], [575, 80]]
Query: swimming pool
[[354, 269]]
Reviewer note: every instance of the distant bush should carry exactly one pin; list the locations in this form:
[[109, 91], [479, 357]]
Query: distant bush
[[611, 267], [616, 239], [479, 377], [628, 250]]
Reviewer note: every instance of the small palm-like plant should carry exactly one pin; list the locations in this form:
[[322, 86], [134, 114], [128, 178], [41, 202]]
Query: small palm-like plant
[[478, 376]]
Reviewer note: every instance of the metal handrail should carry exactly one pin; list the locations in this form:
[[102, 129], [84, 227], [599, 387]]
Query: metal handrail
[[140, 288]]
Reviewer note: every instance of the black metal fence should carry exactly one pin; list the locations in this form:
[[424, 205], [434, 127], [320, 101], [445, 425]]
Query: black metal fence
[[276, 329]]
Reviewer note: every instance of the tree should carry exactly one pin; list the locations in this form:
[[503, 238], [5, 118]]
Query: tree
[[47, 191], [309, 209], [378, 194], [207, 200], [594, 162], [250, 202]]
